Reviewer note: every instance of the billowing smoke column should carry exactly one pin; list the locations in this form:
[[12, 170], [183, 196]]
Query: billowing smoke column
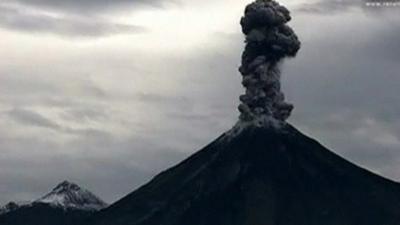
[[268, 41]]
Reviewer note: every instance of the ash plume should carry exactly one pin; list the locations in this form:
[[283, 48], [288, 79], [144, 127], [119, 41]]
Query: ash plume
[[268, 41]]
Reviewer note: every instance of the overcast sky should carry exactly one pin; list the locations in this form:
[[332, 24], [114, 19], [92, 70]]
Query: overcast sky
[[109, 93]]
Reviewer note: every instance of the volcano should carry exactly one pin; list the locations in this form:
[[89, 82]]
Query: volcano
[[263, 171], [257, 175]]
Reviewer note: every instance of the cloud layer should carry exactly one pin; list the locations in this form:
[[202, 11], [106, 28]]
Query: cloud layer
[[37, 18], [91, 6], [17, 19]]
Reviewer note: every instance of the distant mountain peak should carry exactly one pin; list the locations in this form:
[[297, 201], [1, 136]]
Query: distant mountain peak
[[66, 186], [69, 195]]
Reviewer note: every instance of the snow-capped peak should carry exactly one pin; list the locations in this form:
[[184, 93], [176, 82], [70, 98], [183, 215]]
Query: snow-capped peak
[[68, 195]]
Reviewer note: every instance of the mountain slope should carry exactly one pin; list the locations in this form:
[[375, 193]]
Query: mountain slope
[[66, 204], [260, 176]]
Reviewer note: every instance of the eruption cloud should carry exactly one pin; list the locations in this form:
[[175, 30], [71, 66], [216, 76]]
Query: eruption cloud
[[268, 41]]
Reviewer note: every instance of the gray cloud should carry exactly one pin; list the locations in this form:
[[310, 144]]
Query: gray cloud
[[19, 19], [28, 118], [92, 6], [84, 114], [331, 6], [31, 118], [157, 98]]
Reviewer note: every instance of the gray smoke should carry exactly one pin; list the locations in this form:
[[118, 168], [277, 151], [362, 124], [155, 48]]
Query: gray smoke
[[268, 41]]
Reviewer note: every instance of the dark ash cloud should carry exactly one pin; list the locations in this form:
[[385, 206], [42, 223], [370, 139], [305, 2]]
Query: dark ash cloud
[[268, 41], [72, 26]]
